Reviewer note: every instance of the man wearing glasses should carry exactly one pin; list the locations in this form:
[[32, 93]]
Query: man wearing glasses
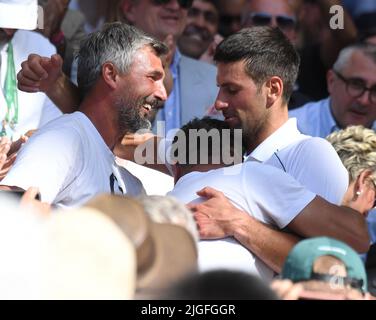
[[272, 13], [352, 101]]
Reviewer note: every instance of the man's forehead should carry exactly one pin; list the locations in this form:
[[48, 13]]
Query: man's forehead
[[361, 66], [146, 57], [231, 69], [204, 5], [274, 7]]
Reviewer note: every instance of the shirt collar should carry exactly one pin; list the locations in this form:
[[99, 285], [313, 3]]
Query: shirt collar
[[327, 116], [284, 136]]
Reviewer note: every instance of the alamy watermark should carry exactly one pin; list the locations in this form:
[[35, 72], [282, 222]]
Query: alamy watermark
[[195, 147], [337, 21]]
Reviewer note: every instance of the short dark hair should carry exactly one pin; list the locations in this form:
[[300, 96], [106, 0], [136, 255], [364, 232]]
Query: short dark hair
[[266, 52], [192, 144]]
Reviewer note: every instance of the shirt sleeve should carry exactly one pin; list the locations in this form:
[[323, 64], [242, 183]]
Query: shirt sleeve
[[318, 167], [47, 161], [278, 195]]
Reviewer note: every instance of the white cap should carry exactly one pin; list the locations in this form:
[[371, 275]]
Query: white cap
[[19, 14]]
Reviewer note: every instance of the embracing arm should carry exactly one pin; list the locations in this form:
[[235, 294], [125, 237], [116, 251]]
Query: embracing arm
[[321, 218], [269, 245], [218, 218]]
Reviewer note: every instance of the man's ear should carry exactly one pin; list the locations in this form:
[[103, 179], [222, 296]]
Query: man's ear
[[127, 7], [110, 74], [274, 87], [330, 78]]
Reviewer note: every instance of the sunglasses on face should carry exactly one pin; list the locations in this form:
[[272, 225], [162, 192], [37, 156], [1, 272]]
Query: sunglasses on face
[[265, 19], [185, 4]]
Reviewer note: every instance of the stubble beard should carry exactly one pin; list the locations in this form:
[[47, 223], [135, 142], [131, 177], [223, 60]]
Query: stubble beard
[[130, 118], [251, 134]]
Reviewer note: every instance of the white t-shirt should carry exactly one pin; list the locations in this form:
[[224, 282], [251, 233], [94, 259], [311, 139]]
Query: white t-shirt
[[311, 161], [70, 163], [35, 109], [154, 182], [266, 193]]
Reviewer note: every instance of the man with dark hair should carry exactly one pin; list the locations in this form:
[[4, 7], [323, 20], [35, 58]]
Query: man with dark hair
[[256, 70], [248, 187], [206, 140], [201, 28], [120, 74]]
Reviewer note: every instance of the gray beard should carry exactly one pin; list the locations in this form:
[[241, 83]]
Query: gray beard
[[130, 120]]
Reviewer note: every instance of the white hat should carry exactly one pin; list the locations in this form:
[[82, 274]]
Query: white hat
[[85, 255], [19, 14]]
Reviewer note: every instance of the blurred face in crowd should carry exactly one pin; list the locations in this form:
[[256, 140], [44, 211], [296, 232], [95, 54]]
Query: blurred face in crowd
[[275, 13], [351, 104], [230, 16], [158, 18], [202, 25], [242, 102], [141, 90]]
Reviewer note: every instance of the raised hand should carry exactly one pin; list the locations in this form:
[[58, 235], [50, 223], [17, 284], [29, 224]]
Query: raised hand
[[39, 74]]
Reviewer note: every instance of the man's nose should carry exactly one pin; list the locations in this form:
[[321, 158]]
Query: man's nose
[[200, 20], [173, 5], [273, 22], [220, 105], [161, 92], [364, 98]]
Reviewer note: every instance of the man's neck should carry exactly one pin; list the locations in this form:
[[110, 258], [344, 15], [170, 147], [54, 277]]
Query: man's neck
[[277, 118], [100, 112]]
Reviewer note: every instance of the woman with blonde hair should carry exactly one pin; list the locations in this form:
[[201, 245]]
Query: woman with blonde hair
[[356, 146]]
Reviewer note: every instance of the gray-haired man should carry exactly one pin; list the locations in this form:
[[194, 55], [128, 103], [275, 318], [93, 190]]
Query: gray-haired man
[[70, 160]]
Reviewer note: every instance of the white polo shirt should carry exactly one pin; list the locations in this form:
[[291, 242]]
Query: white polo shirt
[[264, 192], [68, 160], [311, 161]]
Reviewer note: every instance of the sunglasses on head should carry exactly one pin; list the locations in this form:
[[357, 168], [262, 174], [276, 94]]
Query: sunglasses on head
[[185, 4], [265, 19]]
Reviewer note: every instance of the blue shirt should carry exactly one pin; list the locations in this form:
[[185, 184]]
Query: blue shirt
[[170, 114], [316, 119], [356, 8]]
